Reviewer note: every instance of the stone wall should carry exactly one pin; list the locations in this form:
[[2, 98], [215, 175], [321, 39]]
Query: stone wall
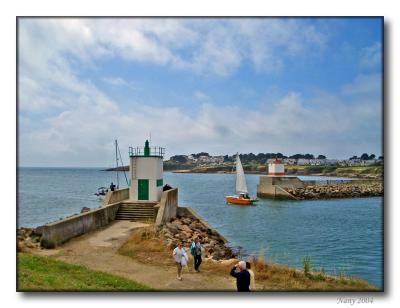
[[167, 207], [274, 187], [56, 233], [116, 196], [353, 190], [188, 226]]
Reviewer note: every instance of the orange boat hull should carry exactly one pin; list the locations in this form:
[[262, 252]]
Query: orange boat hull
[[240, 201]]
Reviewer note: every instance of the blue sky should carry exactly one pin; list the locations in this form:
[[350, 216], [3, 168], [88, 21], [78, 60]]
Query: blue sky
[[289, 85]]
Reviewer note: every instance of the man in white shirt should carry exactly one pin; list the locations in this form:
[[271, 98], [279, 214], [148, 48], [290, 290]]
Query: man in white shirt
[[179, 253]]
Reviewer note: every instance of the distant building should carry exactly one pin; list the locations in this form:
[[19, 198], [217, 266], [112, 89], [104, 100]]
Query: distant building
[[289, 161], [303, 161]]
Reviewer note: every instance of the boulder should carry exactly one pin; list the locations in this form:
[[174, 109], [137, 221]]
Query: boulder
[[186, 221], [85, 209], [218, 253], [184, 228]]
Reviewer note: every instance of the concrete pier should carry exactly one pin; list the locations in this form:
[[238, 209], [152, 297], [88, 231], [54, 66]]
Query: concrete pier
[[275, 186]]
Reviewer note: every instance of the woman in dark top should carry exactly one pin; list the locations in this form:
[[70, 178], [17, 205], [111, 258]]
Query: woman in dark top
[[242, 277]]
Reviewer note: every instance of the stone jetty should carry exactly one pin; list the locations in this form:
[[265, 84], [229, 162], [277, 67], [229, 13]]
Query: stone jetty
[[28, 238], [186, 229], [352, 190]]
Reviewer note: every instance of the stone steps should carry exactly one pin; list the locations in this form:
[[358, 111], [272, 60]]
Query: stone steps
[[136, 212]]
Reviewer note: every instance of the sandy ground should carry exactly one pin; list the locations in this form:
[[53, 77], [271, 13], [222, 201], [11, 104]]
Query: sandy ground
[[98, 250]]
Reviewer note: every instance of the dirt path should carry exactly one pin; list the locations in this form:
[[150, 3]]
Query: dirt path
[[98, 251]]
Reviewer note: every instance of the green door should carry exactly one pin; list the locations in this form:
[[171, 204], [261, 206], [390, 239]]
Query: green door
[[143, 189]]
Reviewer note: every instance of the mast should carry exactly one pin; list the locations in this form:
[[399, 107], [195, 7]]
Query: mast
[[116, 160]]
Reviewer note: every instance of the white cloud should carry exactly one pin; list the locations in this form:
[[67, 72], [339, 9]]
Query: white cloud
[[204, 46], [287, 126], [364, 85], [119, 82], [81, 121], [201, 96], [371, 56]]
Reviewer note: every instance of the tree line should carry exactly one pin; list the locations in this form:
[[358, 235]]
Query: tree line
[[263, 157]]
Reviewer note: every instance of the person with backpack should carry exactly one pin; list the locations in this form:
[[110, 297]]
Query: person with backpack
[[197, 256], [193, 252]]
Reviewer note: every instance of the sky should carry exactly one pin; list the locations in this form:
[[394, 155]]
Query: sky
[[222, 85]]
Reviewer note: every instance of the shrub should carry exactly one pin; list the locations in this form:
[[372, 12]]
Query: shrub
[[307, 265]]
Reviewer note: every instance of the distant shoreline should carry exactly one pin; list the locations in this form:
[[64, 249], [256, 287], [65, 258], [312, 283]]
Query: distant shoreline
[[360, 172]]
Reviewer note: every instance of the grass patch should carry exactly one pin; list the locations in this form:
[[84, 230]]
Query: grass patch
[[146, 246], [45, 274]]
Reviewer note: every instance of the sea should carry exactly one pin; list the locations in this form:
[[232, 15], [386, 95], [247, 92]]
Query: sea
[[340, 236]]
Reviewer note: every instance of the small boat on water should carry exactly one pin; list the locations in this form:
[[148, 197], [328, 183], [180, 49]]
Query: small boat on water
[[101, 191], [241, 187]]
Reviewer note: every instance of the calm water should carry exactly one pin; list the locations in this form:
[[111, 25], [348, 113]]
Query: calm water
[[341, 236]]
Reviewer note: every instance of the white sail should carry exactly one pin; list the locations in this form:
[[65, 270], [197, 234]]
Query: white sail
[[241, 186]]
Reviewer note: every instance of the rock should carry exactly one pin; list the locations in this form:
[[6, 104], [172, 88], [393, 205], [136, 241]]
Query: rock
[[184, 228], [38, 231], [186, 221], [20, 246], [185, 235], [192, 225], [85, 210], [218, 253], [213, 242], [176, 223], [173, 228]]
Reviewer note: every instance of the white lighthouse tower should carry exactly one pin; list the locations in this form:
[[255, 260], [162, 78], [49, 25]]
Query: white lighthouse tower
[[276, 167], [146, 173]]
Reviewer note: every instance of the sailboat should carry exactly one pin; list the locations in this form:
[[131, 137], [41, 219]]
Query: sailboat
[[241, 187]]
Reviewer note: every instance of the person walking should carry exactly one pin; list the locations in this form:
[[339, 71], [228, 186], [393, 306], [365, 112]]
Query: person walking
[[193, 252], [184, 262], [197, 257], [242, 277], [179, 254], [252, 279]]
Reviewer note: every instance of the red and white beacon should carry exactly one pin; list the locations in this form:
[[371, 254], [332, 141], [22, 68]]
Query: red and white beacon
[[276, 167]]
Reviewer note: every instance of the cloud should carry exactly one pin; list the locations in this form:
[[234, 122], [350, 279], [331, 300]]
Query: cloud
[[371, 56], [364, 85], [78, 121], [203, 46], [289, 125], [201, 96], [119, 82]]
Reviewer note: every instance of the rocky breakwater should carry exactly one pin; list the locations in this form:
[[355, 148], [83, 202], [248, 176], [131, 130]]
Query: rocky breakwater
[[28, 238], [187, 229], [355, 190]]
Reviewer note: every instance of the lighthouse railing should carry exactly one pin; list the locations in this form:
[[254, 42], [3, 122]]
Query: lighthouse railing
[[139, 151]]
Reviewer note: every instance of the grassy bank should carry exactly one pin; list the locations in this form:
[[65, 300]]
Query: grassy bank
[[147, 246], [359, 171], [45, 274]]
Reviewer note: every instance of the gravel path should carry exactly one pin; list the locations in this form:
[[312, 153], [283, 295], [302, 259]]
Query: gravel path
[[98, 251]]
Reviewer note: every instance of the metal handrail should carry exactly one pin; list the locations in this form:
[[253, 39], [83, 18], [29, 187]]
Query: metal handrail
[[139, 151]]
